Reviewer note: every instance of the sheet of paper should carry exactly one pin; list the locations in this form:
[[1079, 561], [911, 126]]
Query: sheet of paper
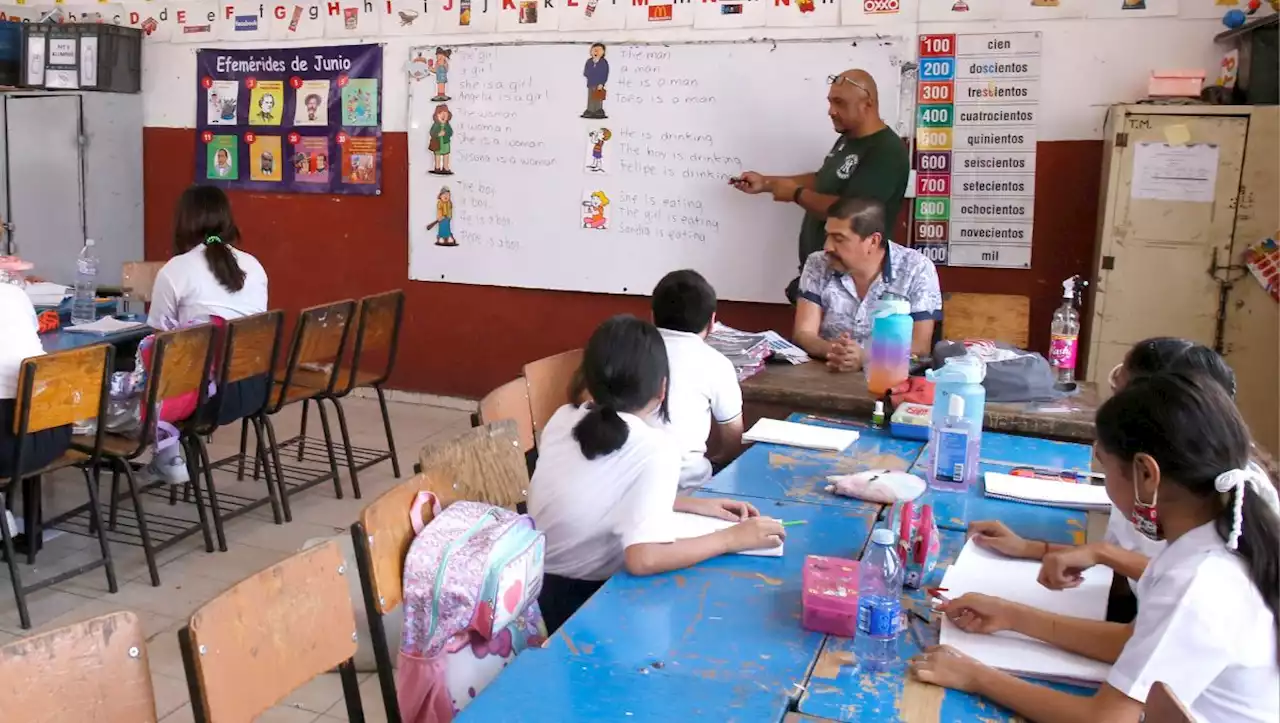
[[807, 436], [104, 326], [1164, 172], [686, 526], [977, 570], [45, 293], [1177, 135], [1054, 493]]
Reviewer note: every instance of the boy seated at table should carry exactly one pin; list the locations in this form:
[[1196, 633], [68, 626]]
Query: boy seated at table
[[606, 482], [1124, 549], [1176, 456], [704, 385], [841, 284]]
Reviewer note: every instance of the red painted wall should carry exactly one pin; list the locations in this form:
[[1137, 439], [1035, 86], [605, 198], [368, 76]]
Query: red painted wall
[[465, 340]]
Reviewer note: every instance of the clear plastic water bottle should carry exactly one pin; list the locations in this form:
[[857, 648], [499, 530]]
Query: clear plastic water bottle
[[879, 603], [84, 304]]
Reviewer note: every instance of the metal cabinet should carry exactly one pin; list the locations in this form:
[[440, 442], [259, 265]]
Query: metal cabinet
[[1186, 189], [72, 169]]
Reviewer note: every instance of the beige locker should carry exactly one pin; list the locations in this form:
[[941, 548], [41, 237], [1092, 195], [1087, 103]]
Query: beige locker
[[1185, 190]]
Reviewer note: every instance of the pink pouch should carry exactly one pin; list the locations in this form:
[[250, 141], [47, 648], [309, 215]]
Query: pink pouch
[[918, 544]]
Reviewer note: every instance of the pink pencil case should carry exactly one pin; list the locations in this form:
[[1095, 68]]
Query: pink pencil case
[[830, 596]]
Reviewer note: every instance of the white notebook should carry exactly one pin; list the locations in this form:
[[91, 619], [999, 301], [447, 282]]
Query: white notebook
[[686, 525], [104, 326], [977, 570], [1053, 493], [808, 436]]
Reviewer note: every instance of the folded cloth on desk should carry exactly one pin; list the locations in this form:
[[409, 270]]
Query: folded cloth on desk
[[979, 570], [1051, 493], [686, 526], [808, 436]]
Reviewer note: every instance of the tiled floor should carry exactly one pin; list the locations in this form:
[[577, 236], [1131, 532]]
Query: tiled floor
[[189, 576]]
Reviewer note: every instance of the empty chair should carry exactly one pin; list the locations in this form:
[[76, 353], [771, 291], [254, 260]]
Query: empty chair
[[510, 401], [1002, 317], [138, 278], [94, 670], [253, 645], [1164, 707], [550, 383]]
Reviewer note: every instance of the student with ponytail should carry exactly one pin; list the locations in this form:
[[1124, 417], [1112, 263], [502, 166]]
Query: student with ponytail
[[606, 482], [1176, 455]]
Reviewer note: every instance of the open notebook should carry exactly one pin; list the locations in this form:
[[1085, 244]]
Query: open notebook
[[977, 570], [1053, 493], [686, 525], [808, 436]]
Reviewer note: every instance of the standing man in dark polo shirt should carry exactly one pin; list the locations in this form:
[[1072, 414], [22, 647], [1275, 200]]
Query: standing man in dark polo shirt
[[868, 161]]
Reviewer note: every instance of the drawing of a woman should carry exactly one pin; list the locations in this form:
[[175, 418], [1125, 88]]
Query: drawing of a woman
[[444, 218], [441, 134], [441, 68]]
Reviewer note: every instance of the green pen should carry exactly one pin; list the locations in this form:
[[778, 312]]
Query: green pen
[[789, 523]]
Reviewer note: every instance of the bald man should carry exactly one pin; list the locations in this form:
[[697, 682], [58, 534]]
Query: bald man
[[868, 161]]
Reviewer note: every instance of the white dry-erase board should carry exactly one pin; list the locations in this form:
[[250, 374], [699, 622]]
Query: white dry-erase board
[[540, 197]]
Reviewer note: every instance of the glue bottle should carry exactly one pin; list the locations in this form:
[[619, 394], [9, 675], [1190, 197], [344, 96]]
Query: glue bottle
[[1065, 335]]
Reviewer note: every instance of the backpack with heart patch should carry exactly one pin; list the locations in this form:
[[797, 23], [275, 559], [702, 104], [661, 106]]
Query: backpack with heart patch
[[471, 584]]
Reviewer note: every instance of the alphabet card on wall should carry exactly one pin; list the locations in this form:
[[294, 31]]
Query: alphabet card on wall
[[350, 18], [239, 20], [731, 14], [952, 11], [593, 15], [467, 16], [406, 17], [526, 16], [297, 21], [879, 12], [1133, 8], [151, 18], [650, 14], [195, 22], [1043, 9], [802, 13]]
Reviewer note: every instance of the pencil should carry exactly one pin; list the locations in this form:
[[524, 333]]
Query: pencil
[[789, 523]]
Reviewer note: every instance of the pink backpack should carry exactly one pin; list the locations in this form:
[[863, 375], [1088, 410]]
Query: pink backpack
[[471, 584]]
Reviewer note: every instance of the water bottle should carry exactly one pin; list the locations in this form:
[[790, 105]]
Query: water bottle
[[889, 358], [84, 305], [879, 603]]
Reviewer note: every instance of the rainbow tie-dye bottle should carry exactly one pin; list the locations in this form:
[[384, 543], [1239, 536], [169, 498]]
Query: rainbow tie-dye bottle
[[889, 358]]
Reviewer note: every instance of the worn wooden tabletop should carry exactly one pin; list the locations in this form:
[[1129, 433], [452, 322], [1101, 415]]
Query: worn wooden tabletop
[[782, 388]]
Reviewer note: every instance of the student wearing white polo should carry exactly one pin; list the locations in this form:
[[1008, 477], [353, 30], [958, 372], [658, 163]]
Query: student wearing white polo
[[704, 395]]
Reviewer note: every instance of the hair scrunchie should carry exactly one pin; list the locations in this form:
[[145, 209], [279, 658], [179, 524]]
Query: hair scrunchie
[[1234, 481], [211, 240]]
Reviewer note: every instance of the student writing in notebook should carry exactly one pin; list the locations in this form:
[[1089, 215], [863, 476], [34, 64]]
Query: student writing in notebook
[[1122, 549], [606, 483], [1176, 454], [703, 396]]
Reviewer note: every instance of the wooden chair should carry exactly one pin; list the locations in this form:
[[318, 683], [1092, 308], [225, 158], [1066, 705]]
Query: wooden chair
[[510, 401], [550, 381], [1002, 317], [94, 670], [253, 645], [179, 365], [252, 345], [372, 359], [1164, 707], [57, 390], [138, 278], [312, 370], [482, 464]]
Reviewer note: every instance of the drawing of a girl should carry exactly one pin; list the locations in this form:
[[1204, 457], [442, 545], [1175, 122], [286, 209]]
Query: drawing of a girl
[[440, 66], [593, 216], [444, 218], [441, 138]]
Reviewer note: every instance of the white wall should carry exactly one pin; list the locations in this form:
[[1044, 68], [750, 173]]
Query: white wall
[[1088, 64]]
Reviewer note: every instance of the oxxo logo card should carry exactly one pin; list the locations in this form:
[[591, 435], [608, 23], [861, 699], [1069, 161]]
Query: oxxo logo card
[[881, 7]]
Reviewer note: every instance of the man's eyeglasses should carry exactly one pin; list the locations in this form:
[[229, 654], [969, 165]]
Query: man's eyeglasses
[[838, 79]]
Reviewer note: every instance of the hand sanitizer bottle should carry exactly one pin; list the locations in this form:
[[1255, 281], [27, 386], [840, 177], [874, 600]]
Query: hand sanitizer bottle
[[955, 450]]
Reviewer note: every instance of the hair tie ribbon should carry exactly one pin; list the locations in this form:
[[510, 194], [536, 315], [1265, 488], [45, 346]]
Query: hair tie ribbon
[[1234, 481], [211, 240]]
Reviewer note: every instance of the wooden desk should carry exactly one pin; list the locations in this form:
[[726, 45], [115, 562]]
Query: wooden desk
[[782, 389]]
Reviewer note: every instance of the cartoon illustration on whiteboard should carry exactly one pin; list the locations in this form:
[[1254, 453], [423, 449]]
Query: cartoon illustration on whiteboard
[[595, 211], [960, 6], [444, 218], [440, 66], [1133, 4], [597, 138], [596, 72], [441, 142]]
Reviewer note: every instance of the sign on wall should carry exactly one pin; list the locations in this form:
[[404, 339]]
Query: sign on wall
[[977, 105], [296, 120]]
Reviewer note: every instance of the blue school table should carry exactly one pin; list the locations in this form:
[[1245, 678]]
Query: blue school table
[[60, 340], [722, 641]]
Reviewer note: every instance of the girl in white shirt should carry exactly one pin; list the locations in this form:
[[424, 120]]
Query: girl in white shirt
[[1176, 454], [605, 485], [21, 334]]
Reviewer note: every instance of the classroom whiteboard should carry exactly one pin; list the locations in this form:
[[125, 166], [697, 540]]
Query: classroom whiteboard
[[532, 207]]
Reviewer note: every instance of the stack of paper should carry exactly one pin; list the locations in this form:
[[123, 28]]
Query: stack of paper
[[977, 570], [1048, 492], [44, 293], [807, 436], [747, 352], [104, 327], [686, 526]]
